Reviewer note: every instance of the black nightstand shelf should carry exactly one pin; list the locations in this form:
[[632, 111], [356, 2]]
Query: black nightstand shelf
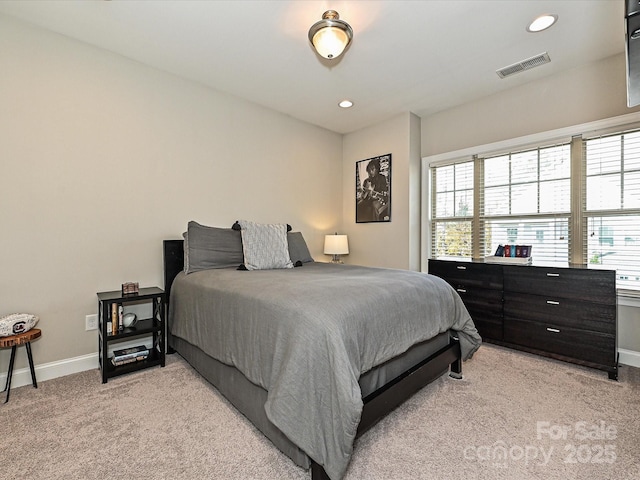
[[153, 328]]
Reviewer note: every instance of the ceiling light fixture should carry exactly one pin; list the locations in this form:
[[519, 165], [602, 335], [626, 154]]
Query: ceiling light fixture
[[346, 104], [330, 36], [542, 23]]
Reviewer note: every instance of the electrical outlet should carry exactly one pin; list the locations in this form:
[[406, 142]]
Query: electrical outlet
[[91, 322]]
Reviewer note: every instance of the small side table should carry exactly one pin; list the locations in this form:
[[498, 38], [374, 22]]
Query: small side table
[[152, 328], [14, 341]]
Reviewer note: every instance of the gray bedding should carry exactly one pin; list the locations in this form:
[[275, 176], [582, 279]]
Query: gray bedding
[[307, 334]]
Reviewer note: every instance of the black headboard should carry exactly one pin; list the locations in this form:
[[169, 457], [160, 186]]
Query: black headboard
[[173, 254]]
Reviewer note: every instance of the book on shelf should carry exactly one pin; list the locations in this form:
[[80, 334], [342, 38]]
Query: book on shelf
[[125, 360], [130, 351], [131, 355], [117, 362], [127, 355], [114, 318]]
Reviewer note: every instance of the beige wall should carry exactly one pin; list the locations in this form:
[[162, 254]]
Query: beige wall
[[102, 158], [629, 326], [581, 95], [392, 244]]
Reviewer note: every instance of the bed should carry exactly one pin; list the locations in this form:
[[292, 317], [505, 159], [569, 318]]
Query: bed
[[312, 355]]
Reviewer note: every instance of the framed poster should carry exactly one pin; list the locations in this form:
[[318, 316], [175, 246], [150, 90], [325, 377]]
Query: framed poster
[[373, 189]]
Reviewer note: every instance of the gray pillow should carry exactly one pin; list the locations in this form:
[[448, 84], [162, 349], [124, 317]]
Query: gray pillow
[[298, 250], [185, 249], [211, 247], [264, 245]]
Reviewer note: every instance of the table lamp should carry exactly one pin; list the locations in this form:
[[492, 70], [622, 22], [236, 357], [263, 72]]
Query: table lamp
[[336, 245]]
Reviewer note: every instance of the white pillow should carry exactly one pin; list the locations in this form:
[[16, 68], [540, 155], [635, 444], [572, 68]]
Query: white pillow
[[265, 246]]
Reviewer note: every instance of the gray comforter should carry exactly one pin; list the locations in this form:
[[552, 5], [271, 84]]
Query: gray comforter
[[307, 334]]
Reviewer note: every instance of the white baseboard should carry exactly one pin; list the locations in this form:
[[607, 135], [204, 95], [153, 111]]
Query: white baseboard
[[64, 367], [51, 370], [629, 357]]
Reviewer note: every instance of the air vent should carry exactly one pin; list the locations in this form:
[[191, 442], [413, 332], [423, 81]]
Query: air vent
[[524, 65]]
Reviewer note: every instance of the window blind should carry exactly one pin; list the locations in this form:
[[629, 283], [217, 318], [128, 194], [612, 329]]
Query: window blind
[[452, 210], [525, 199], [611, 205]]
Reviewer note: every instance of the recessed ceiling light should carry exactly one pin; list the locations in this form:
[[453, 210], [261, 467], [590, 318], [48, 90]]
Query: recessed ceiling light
[[542, 23], [346, 104]]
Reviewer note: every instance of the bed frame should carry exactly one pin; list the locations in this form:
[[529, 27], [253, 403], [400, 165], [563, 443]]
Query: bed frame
[[377, 404]]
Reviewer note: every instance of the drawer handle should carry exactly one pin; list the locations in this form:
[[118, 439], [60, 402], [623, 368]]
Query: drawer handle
[[553, 302], [461, 267], [553, 274], [461, 290], [553, 330]]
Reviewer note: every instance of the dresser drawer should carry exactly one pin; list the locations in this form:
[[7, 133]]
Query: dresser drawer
[[489, 329], [468, 274], [562, 312], [480, 300], [485, 308], [582, 345], [598, 286]]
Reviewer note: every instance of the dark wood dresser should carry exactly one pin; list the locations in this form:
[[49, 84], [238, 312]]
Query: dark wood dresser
[[565, 313]]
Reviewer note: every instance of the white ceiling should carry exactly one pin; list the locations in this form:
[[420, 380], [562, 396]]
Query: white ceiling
[[419, 56]]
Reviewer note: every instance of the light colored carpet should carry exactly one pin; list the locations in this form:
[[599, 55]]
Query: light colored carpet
[[549, 420]]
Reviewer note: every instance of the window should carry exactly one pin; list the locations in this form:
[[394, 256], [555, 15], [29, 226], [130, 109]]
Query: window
[[612, 210], [575, 202], [526, 200], [452, 210]]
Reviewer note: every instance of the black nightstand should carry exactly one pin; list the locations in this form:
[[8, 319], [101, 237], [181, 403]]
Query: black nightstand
[[154, 327]]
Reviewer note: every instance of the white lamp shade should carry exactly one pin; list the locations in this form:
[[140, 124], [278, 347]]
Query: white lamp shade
[[336, 245], [330, 36], [330, 42]]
